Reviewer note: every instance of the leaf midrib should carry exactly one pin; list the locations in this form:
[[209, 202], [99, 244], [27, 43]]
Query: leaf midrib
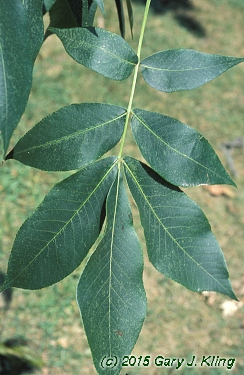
[[188, 69], [70, 136], [6, 94]]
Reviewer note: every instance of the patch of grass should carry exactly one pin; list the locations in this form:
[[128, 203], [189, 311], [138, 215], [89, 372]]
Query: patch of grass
[[179, 323]]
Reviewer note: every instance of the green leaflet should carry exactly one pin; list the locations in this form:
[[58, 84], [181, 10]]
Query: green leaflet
[[130, 15], [99, 50], [121, 16], [179, 240], [24, 35], [100, 4], [55, 239], [110, 293], [177, 152], [92, 13], [35, 29], [71, 137], [184, 69]]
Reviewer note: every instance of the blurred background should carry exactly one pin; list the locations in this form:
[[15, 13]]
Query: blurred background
[[179, 323]]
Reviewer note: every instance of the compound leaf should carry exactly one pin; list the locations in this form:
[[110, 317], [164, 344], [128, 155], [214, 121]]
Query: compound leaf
[[184, 69], [177, 152], [100, 50], [55, 239], [110, 291], [71, 137], [179, 240]]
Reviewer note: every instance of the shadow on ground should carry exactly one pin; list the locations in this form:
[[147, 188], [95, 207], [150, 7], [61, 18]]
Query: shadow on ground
[[182, 11]]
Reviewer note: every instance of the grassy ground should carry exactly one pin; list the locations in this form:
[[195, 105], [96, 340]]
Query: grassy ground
[[179, 323]]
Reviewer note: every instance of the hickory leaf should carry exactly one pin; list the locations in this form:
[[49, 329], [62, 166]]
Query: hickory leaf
[[100, 50], [54, 240], [71, 137], [110, 292], [184, 69], [91, 206], [177, 152], [179, 240]]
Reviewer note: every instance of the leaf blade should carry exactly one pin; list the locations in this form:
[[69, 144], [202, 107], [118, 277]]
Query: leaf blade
[[177, 152], [54, 240], [179, 240], [35, 25], [99, 50], [113, 304], [72, 137], [120, 11], [16, 63], [184, 69]]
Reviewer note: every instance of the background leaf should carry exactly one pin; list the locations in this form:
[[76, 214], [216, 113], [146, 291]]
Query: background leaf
[[35, 25], [77, 7], [71, 137], [92, 13], [184, 69], [61, 16], [17, 53], [80, 10], [55, 239], [130, 15], [100, 4], [110, 292], [48, 4], [99, 50], [177, 152], [179, 240], [121, 16]]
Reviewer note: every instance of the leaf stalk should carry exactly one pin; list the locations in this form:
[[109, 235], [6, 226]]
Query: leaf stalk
[[133, 87]]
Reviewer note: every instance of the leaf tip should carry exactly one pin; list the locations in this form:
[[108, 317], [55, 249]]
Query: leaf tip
[[10, 155]]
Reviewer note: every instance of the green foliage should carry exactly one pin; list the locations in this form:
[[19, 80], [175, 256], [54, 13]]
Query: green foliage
[[92, 203]]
